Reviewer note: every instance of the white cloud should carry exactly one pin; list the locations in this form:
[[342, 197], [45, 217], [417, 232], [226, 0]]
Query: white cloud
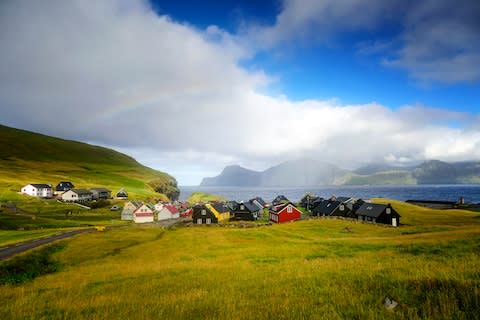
[[175, 97], [437, 40]]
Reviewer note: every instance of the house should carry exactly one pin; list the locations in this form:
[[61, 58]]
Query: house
[[186, 213], [309, 201], [168, 211], [40, 190], [210, 213], [122, 194], [100, 193], [260, 201], [77, 195], [281, 199], [333, 208], [378, 213], [143, 214], [129, 208], [284, 212], [247, 211], [63, 186]]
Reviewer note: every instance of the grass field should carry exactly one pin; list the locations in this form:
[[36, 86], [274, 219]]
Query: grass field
[[312, 269], [27, 157]]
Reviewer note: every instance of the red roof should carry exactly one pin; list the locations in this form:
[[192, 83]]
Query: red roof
[[171, 208]]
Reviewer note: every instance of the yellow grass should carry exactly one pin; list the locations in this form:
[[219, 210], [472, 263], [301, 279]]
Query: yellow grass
[[315, 269]]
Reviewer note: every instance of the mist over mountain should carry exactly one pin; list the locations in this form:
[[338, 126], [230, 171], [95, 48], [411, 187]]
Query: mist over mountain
[[307, 172]]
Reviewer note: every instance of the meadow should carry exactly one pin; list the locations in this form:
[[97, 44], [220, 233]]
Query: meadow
[[311, 269]]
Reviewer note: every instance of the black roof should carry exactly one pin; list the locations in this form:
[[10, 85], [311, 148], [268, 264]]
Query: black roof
[[372, 209], [279, 199], [81, 191], [327, 207], [250, 206], [341, 199], [260, 200], [220, 207], [40, 185]]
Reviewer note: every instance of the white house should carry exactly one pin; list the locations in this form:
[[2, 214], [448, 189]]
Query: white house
[[159, 206], [77, 195], [143, 214], [168, 212], [38, 190], [129, 208], [101, 193]]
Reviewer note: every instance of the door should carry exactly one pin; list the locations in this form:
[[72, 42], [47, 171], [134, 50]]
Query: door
[[394, 222]]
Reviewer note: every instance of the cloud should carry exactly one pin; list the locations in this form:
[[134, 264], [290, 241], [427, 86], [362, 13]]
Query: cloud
[[441, 42], [114, 73], [436, 40]]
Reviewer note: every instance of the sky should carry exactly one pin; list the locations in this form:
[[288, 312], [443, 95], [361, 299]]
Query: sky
[[188, 87]]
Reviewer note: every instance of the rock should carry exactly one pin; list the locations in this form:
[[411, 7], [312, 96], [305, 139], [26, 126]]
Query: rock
[[390, 304]]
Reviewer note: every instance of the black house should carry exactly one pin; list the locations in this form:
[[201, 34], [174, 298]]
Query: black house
[[280, 199], [378, 213], [247, 211], [309, 201], [64, 186], [332, 208], [260, 201]]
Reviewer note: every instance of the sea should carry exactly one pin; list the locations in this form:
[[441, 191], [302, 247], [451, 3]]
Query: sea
[[470, 193]]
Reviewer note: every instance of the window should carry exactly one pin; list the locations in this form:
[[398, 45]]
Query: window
[[209, 221], [289, 209], [242, 207], [204, 212], [389, 211], [199, 221], [342, 207]]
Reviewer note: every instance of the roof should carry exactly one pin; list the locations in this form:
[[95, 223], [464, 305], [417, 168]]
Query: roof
[[220, 207], [80, 191], [279, 199], [341, 199], [40, 185], [122, 193], [100, 189], [280, 207], [260, 200], [327, 207], [256, 203], [371, 209], [171, 208], [249, 206]]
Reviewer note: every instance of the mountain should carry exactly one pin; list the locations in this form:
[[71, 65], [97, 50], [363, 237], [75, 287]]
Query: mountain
[[28, 157], [306, 172]]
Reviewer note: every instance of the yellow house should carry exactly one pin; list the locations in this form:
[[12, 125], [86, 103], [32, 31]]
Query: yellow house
[[210, 213]]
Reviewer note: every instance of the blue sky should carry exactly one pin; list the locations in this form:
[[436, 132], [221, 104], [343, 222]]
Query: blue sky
[[189, 87], [310, 70]]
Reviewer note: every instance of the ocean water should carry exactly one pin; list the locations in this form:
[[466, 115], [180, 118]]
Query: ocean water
[[471, 193]]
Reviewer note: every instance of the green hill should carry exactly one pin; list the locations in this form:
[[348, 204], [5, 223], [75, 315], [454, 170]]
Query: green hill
[[27, 157]]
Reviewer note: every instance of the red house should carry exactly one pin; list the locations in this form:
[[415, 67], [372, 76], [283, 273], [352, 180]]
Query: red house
[[284, 212]]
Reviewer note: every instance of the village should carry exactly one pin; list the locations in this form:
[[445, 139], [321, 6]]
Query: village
[[279, 210]]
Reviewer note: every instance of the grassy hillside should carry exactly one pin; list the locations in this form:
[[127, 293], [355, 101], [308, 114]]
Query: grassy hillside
[[27, 157], [315, 269], [388, 177], [197, 197]]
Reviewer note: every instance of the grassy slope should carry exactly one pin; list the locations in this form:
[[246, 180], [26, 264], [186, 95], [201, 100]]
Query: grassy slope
[[197, 197], [27, 157], [309, 269]]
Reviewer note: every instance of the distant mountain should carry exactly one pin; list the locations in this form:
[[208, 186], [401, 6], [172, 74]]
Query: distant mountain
[[28, 157], [307, 172], [302, 172]]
